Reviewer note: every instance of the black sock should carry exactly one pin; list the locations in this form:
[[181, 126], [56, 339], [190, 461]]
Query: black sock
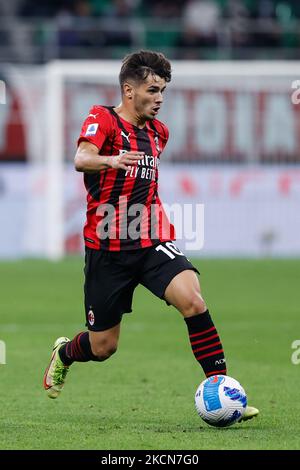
[[206, 344], [78, 349]]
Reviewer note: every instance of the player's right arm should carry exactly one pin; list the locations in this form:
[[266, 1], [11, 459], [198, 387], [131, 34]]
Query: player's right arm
[[88, 160]]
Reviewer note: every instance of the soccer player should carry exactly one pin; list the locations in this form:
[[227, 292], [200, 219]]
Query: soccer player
[[128, 237]]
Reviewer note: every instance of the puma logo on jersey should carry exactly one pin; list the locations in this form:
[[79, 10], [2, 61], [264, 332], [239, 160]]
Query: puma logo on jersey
[[126, 136], [93, 115]]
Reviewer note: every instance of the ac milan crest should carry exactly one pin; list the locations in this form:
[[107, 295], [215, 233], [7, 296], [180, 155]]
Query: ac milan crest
[[91, 317]]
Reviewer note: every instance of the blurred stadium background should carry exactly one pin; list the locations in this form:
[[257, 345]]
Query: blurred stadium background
[[185, 29], [234, 142], [234, 146]]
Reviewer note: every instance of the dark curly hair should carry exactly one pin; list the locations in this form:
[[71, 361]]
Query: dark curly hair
[[138, 65]]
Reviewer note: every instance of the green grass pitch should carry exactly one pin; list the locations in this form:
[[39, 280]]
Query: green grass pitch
[[143, 397]]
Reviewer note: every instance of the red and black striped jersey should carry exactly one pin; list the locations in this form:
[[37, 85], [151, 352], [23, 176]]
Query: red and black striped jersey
[[124, 211]]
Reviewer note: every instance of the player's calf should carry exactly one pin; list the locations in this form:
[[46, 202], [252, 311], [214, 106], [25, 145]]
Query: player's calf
[[104, 343], [90, 346], [193, 305], [103, 351]]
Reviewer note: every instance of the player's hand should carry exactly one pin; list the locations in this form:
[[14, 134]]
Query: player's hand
[[126, 160]]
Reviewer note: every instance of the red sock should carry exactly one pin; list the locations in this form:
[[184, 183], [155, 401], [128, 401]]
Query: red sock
[[78, 349], [206, 344]]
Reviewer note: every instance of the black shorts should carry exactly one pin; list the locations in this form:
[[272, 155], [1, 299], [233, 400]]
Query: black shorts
[[111, 277]]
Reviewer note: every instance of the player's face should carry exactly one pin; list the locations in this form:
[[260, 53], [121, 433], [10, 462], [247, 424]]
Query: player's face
[[147, 97]]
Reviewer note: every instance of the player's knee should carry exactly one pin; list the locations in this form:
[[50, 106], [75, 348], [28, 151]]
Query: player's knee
[[104, 350], [193, 305]]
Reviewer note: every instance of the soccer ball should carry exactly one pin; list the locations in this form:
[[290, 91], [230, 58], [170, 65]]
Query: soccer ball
[[220, 400]]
